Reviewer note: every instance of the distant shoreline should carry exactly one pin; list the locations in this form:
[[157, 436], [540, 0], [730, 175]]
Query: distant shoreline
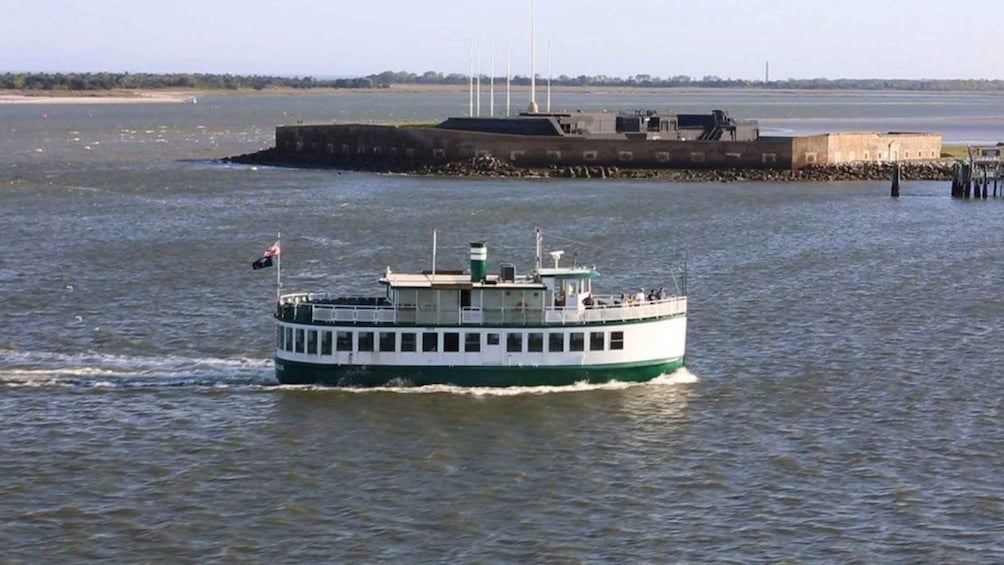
[[176, 96]]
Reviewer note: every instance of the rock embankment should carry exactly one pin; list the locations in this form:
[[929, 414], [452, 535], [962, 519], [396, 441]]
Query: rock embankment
[[493, 167], [487, 166]]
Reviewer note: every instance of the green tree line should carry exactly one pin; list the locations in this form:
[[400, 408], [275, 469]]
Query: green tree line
[[133, 81], [650, 81], [203, 81]]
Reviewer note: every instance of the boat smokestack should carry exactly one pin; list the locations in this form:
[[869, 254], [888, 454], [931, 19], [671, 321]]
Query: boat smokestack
[[479, 262]]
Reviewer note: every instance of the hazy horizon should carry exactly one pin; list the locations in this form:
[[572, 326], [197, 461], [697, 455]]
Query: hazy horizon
[[853, 39]]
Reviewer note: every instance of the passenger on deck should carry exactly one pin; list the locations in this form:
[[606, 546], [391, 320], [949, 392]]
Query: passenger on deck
[[639, 297]]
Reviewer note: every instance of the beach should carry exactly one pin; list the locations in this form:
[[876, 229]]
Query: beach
[[97, 97]]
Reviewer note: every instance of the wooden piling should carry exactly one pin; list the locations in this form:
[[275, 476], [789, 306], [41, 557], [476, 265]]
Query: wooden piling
[[894, 190]]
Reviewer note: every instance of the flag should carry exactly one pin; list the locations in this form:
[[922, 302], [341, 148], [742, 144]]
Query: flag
[[266, 257]]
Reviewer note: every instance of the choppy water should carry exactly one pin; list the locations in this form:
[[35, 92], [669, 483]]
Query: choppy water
[[843, 399]]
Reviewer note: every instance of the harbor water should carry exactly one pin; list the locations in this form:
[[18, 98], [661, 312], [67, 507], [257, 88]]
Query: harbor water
[[842, 400]]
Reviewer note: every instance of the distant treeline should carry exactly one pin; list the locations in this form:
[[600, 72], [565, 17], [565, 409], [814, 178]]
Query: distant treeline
[[649, 81], [135, 81]]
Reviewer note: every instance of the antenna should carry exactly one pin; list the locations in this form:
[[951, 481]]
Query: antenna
[[478, 65], [508, 76], [548, 75], [470, 86], [433, 253], [491, 97], [539, 246], [533, 58]]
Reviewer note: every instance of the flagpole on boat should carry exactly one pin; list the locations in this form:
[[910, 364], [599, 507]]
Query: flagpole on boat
[[278, 267]]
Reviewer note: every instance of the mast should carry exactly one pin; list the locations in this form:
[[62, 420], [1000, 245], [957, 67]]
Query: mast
[[491, 67], [478, 66], [433, 253], [539, 246], [278, 267], [549, 75], [533, 58], [508, 77], [470, 86]]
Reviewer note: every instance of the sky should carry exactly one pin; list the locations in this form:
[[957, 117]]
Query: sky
[[909, 39]]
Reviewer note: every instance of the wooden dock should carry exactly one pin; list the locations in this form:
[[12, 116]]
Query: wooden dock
[[972, 178]]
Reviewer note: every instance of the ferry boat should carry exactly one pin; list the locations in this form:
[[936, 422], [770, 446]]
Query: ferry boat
[[482, 329]]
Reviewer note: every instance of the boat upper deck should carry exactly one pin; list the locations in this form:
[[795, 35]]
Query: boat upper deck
[[552, 295], [323, 310]]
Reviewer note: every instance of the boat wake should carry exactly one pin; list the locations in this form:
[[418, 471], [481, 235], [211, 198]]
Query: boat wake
[[104, 371], [97, 370], [678, 377]]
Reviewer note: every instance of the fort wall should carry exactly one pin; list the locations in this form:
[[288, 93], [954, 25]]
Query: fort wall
[[402, 148], [834, 148]]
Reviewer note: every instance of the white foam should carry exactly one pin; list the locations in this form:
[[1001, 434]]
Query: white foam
[[92, 369], [678, 377]]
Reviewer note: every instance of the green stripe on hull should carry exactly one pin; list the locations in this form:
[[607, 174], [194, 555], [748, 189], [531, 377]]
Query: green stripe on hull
[[294, 373]]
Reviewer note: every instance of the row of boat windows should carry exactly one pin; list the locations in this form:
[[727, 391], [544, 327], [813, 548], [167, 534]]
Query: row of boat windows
[[324, 342]]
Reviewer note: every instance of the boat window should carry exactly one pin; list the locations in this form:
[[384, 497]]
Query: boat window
[[288, 346], [617, 340], [343, 341], [312, 342], [514, 343], [298, 344], [278, 337], [326, 343], [535, 342], [596, 341], [472, 342], [430, 341], [493, 339], [577, 342], [365, 341], [451, 342], [408, 341], [388, 341], [556, 342]]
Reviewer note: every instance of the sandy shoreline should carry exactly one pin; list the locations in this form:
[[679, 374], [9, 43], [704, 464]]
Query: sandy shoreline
[[98, 97]]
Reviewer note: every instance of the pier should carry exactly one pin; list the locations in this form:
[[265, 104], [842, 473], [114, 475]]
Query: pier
[[972, 178]]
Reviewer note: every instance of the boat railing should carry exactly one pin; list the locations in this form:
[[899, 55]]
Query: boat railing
[[608, 309], [308, 308]]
